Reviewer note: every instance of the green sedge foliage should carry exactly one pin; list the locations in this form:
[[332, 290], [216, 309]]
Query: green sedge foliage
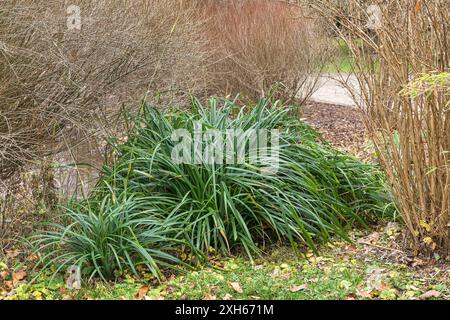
[[113, 235], [145, 204]]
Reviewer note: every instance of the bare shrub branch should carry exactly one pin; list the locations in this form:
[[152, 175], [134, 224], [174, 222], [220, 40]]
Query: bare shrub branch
[[261, 43], [410, 128]]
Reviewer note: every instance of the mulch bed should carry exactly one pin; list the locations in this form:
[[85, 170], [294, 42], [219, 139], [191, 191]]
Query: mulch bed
[[342, 126]]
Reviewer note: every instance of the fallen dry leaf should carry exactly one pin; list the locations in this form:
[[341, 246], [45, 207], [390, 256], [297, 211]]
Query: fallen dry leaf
[[11, 254], [364, 294], [276, 272], [158, 298], [228, 297], [236, 287], [142, 292], [372, 238], [430, 294], [299, 288], [218, 264], [375, 279], [8, 285], [286, 276], [163, 293], [351, 249], [208, 297], [384, 286], [171, 289], [18, 276], [4, 275], [73, 280], [33, 257], [419, 263]]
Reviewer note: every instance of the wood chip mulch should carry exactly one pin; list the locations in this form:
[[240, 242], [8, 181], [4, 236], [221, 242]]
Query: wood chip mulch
[[342, 126]]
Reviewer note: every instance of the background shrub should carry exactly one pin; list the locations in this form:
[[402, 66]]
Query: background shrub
[[58, 81], [261, 46], [409, 128]]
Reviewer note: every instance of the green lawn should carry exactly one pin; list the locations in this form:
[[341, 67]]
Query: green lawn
[[343, 271], [342, 63], [343, 60]]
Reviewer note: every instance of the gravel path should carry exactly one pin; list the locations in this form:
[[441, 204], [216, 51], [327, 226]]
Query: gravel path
[[331, 91]]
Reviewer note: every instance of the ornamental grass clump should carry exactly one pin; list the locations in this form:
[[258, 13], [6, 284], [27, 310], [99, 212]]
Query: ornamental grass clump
[[300, 190]]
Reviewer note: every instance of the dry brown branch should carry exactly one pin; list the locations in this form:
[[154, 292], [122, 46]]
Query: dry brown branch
[[261, 46], [410, 128], [58, 80]]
